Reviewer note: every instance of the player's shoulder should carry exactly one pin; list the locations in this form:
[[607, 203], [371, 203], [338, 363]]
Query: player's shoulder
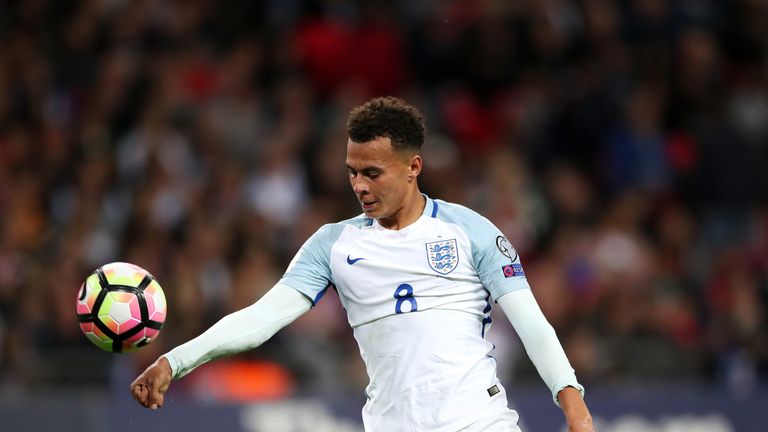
[[334, 229], [461, 215], [327, 235]]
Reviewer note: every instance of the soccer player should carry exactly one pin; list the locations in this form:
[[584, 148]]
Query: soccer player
[[417, 277]]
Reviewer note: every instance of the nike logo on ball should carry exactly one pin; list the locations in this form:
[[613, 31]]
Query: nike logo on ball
[[351, 261]]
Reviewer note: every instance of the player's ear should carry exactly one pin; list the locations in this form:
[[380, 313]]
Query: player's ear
[[416, 165]]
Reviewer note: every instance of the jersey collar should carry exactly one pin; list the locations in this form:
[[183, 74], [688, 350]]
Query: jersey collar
[[431, 208]]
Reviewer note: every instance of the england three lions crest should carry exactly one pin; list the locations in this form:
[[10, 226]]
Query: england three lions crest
[[443, 256]]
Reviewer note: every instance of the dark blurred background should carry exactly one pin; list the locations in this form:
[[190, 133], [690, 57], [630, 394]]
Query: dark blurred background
[[622, 146]]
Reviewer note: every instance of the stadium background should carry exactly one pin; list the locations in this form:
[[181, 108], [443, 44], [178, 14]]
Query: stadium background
[[622, 146]]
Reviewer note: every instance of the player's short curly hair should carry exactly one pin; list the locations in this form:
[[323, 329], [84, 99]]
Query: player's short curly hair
[[388, 117]]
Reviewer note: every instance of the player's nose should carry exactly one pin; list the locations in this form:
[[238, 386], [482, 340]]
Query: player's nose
[[359, 185]]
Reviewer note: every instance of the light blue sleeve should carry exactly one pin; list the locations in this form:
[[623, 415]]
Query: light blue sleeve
[[496, 261], [310, 271]]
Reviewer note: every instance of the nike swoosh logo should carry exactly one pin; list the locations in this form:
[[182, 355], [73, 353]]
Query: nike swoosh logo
[[351, 261]]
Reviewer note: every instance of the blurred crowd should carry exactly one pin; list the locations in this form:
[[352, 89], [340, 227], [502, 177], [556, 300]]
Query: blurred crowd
[[622, 146]]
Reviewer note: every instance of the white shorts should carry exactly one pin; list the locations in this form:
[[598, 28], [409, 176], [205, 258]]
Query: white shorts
[[503, 422]]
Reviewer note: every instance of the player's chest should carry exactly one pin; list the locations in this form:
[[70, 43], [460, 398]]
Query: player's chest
[[370, 256]]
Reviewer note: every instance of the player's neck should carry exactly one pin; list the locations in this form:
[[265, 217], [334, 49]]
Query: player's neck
[[413, 208]]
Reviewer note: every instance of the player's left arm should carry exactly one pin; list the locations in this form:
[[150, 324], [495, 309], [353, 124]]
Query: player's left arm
[[500, 271], [547, 355]]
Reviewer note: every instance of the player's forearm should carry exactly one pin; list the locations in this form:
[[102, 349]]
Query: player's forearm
[[279, 307], [576, 412], [540, 341]]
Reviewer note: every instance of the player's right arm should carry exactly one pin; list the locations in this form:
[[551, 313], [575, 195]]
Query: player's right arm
[[236, 332], [305, 281]]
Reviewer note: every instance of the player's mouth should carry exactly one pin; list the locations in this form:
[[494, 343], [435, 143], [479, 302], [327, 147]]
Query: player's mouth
[[368, 205]]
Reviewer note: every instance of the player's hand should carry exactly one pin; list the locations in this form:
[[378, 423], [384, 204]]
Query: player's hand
[[576, 412], [149, 387]]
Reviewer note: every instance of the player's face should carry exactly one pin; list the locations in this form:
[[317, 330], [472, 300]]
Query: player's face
[[384, 180]]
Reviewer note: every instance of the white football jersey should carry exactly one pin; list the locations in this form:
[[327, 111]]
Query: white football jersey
[[419, 302]]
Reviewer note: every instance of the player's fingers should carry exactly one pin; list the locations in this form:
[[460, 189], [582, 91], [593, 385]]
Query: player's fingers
[[136, 391], [155, 403], [142, 393], [155, 399]]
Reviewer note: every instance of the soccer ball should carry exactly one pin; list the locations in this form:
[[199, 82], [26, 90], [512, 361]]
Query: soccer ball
[[121, 307]]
